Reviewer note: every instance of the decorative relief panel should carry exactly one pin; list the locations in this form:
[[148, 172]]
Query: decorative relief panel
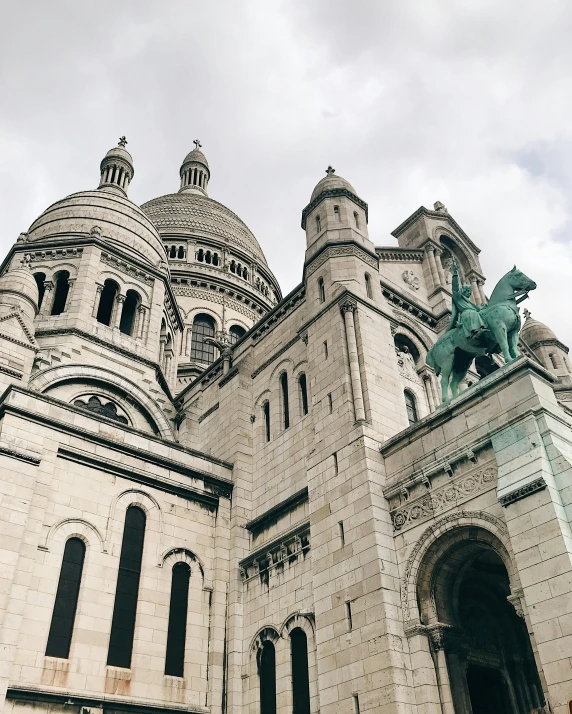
[[340, 252], [411, 280], [276, 554], [212, 296], [441, 499]]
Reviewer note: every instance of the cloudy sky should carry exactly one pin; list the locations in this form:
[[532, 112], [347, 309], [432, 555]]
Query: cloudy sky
[[413, 101]]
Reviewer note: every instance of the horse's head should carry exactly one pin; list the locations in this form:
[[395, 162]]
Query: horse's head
[[519, 281]]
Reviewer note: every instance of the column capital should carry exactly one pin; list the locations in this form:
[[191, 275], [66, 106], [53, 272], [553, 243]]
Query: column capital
[[429, 248], [515, 600], [439, 635], [48, 285], [120, 299], [348, 305]]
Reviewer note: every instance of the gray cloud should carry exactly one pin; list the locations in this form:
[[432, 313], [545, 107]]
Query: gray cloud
[[467, 103]]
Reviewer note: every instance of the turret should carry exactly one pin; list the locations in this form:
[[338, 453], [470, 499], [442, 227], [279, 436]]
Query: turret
[[195, 172], [552, 353], [116, 169]]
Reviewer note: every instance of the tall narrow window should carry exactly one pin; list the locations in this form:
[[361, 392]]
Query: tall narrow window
[[266, 409], [40, 279], [552, 359], [318, 224], [130, 305], [322, 290], [267, 676], [368, 289], [285, 406], [411, 407], [181, 252], [177, 630], [173, 252], [235, 333], [61, 293], [303, 393], [203, 328], [65, 606], [107, 302], [337, 213], [356, 218], [300, 674], [127, 591]]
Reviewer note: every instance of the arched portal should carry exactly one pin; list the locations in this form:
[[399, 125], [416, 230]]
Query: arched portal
[[462, 592]]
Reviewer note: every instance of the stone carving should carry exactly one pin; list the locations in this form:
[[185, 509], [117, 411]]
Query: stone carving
[[107, 409], [538, 484], [443, 498], [216, 297], [406, 364], [276, 554], [340, 252], [411, 280], [516, 601], [490, 329]]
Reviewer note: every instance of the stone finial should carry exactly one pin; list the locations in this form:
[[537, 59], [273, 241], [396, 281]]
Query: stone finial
[[526, 313], [122, 142], [197, 144], [330, 171], [22, 238], [441, 207]]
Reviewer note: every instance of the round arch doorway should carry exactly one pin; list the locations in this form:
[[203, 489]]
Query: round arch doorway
[[463, 586]]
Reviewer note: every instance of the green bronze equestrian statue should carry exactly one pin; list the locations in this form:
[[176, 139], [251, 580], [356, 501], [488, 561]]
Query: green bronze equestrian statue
[[475, 330]]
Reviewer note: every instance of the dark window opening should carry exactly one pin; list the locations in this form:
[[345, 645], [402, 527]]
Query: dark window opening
[[300, 673], [129, 312], [235, 333], [356, 218], [203, 328], [40, 279], [208, 257], [342, 533], [215, 258], [267, 676], [410, 407], [303, 393], [201, 255], [322, 290], [173, 252], [330, 403], [177, 629], [336, 467], [266, 409], [318, 224], [356, 704], [65, 606], [127, 591], [61, 293], [337, 213], [349, 616], [552, 360], [181, 252], [285, 406], [368, 289], [232, 266], [107, 302], [326, 349]]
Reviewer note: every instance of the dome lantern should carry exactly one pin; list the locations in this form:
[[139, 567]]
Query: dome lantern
[[117, 169], [195, 172]]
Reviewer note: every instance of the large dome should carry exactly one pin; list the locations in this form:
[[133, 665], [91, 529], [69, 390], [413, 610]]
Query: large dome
[[121, 222], [187, 213]]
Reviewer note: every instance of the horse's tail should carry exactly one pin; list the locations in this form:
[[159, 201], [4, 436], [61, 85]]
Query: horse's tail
[[430, 360]]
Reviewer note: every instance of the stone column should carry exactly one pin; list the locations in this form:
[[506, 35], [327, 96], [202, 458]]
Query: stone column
[[438, 633], [71, 283], [348, 308], [162, 343], [430, 250], [188, 339], [48, 299], [117, 309], [440, 272], [424, 671], [98, 292], [481, 283], [141, 315], [476, 293]]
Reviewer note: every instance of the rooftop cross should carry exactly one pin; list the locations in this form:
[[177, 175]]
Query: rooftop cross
[[330, 171], [122, 141], [526, 313], [197, 144]]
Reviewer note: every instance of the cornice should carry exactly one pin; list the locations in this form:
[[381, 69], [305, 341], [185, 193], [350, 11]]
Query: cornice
[[538, 484], [408, 306], [337, 249], [275, 356], [333, 193], [272, 514], [279, 312], [399, 255], [249, 298]]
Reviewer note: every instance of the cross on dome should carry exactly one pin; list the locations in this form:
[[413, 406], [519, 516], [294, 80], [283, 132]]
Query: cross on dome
[[526, 314], [330, 171], [197, 144], [122, 141]]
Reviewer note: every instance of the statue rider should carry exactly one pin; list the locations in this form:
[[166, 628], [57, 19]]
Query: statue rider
[[464, 312]]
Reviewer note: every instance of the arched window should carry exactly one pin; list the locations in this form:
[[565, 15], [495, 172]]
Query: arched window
[[267, 675], [235, 333], [356, 218], [410, 407], [127, 591], [173, 252], [61, 293], [245, 273], [318, 224], [215, 258], [181, 252], [208, 257], [177, 630], [203, 327], [232, 266], [368, 289], [303, 393], [201, 255], [266, 411], [40, 279], [337, 213], [322, 290], [65, 606], [130, 305], [285, 406], [300, 675], [107, 301]]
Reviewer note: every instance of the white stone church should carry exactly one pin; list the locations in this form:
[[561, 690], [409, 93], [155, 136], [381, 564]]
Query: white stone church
[[219, 500]]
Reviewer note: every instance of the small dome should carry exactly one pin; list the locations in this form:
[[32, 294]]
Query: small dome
[[120, 152], [20, 281], [197, 156], [535, 331], [329, 182]]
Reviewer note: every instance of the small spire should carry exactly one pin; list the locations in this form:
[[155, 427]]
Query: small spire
[[122, 142], [330, 171], [197, 144]]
